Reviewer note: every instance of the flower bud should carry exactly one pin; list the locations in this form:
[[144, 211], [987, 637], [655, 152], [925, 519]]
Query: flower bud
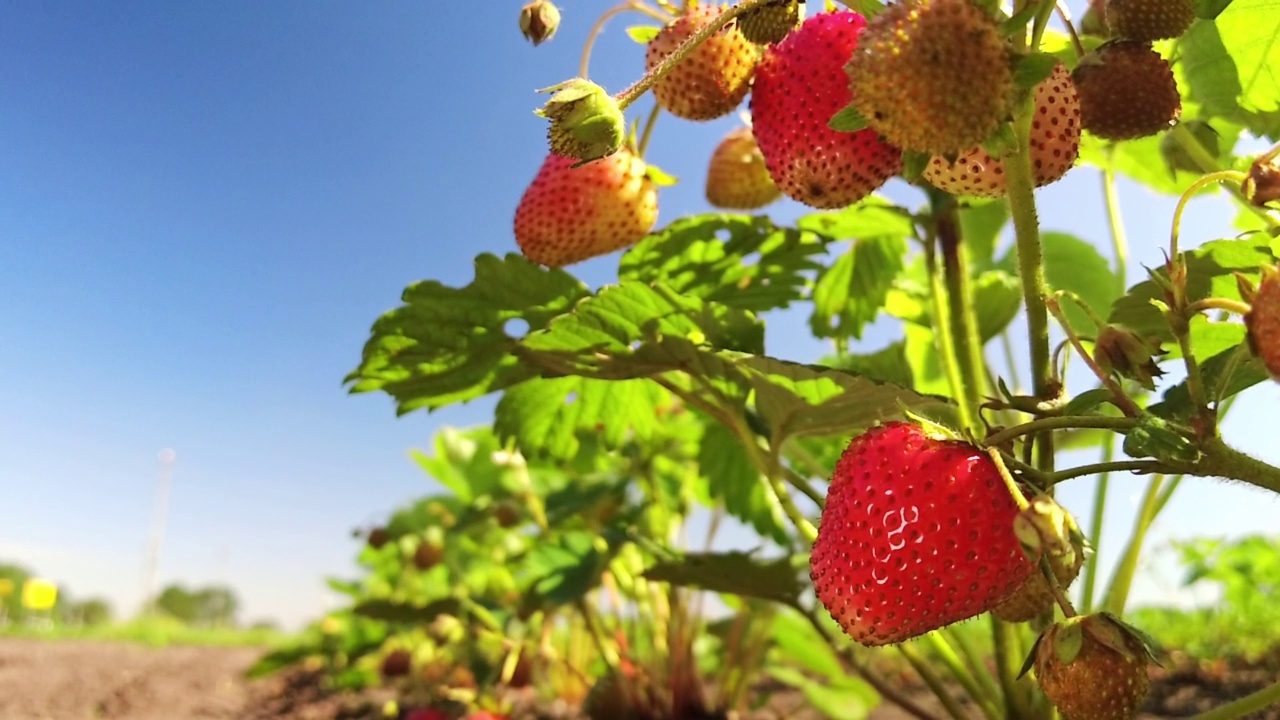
[[1125, 352], [539, 20], [586, 122]]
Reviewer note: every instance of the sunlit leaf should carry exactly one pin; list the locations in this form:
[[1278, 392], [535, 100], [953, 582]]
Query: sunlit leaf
[[735, 573], [850, 293]]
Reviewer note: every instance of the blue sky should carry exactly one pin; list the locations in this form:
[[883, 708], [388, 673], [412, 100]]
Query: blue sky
[[203, 206]]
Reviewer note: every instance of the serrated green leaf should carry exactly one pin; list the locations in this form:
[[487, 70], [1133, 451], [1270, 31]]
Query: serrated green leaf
[[733, 573], [643, 34], [1232, 64], [796, 400], [872, 217], [735, 481], [1073, 264], [1210, 271], [848, 119], [569, 568], [758, 267], [887, 365], [850, 293], [546, 416], [447, 345], [1225, 374]]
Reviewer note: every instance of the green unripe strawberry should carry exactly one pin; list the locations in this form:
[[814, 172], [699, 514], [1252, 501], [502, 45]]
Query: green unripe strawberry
[[932, 76], [769, 23], [586, 122], [1149, 20]]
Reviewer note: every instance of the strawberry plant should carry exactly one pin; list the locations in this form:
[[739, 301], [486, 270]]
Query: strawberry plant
[[918, 478]]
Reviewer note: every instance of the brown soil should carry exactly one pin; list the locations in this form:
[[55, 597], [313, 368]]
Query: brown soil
[[76, 680]]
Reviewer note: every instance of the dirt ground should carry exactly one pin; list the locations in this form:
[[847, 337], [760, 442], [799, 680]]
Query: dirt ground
[[79, 680]]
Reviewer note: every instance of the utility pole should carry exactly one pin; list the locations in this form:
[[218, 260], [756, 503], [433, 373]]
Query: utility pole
[[159, 518]]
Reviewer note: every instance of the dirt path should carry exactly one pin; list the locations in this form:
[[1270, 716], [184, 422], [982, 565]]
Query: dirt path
[[75, 680]]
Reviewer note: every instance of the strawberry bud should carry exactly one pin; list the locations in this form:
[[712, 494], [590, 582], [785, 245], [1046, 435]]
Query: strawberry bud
[[1122, 351], [1263, 183], [539, 20], [586, 122]]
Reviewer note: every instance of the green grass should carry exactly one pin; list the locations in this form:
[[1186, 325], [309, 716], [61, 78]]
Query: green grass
[[156, 632]]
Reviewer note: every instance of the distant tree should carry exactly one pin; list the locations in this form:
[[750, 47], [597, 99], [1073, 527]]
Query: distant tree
[[208, 606]]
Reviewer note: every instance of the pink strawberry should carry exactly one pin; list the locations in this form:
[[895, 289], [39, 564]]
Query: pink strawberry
[[1055, 145], [800, 84], [737, 178], [569, 214], [713, 79], [917, 534]]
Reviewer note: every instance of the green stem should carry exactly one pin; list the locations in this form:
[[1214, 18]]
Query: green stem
[[1095, 528], [964, 326], [945, 339], [931, 679], [1215, 303], [1026, 225], [802, 524], [799, 483], [1122, 580], [1118, 396], [1062, 422], [961, 673], [1221, 460], [649, 124], [641, 86], [1252, 703], [886, 689], [1105, 467], [1119, 240], [1209, 164]]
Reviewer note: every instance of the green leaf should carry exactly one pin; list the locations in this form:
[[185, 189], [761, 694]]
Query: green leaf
[[546, 416], [462, 462], [848, 119], [447, 345], [624, 314], [758, 267], [734, 480], [1225, 374], [569, 568], [733, 573], [1142, 161], [1210, 9], [1232, 64], [406, 613], [997, 297], [866, 8], [981, 222], [796, 400], [850, 293], [872, 217], [1210, 269], [643, 34], [1073, 264], [926, 365], [1032, 69], [888, 365]]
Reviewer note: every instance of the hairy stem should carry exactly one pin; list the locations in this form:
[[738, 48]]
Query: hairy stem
[[1026, 225], [1209, 164], [964, 325], [931, 679], [1118, 397], [1105, 467], [1064, 422]]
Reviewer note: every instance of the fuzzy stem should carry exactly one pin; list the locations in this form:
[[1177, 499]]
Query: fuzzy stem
[[1252, 703], [1118, 397], [964, 326], [1221, 176], [1018, 498], [1231, 306], [1221, 460], [945, 340], [1065, 15], [1064, 422], [1095, 527], [931, 679], [631, 5], [796, 481], [647, 133], [1209, 164], [1026, 224], [631, 94], [1106, 467]]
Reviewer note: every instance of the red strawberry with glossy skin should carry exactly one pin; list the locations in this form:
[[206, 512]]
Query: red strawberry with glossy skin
[[917, 534], [1055, 145], [714, 78], [569, 214], [800, 84], [737, 178]]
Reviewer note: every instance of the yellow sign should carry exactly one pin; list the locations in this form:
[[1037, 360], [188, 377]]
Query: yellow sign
[[6, 587], [38, 594]]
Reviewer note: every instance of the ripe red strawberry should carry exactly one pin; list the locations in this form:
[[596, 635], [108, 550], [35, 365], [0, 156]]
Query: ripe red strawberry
[[770, 22], [737, 177], [1149, 20], [713, 79], [1092, 668], [1126, 91], [426, 714], [917, 534], [932, 75], [799, 86], [1055, 145], [1263, 322], [568, 215]]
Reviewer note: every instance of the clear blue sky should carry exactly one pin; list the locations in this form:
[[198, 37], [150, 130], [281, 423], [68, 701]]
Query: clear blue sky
[[203, 206]]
